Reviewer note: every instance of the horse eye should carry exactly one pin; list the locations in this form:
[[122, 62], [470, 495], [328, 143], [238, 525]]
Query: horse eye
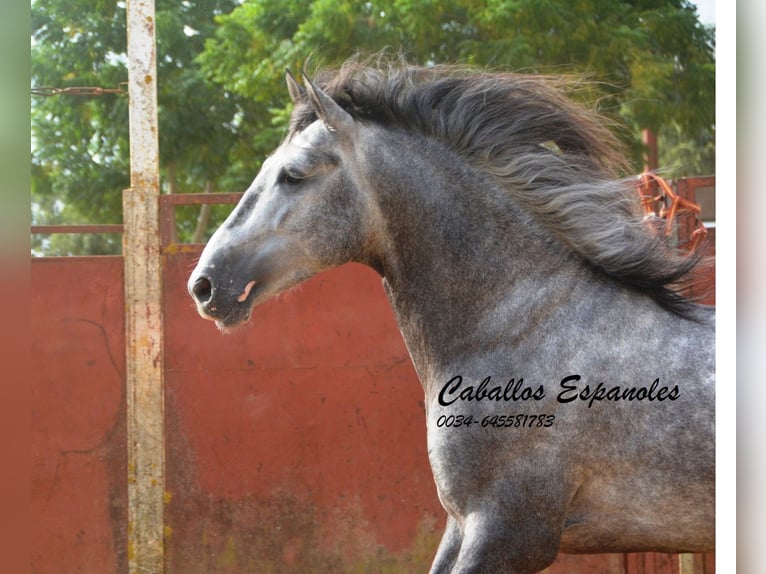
[[289, 177]]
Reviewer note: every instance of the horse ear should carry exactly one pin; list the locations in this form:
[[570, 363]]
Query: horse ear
[[334, 117], [296, 90]]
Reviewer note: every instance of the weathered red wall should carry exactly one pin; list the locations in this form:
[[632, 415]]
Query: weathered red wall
[[296, 444], [78, 435]]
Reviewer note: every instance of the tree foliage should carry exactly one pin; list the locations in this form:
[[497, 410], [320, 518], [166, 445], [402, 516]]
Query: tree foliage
[[80, 158], [653, 61], [223, 106], [79, 161]]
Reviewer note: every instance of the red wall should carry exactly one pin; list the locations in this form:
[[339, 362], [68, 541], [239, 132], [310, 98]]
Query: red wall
[[79, 488], [297, 443]]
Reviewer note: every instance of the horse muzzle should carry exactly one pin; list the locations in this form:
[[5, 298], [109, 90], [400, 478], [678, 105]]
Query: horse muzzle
[[225, 305]]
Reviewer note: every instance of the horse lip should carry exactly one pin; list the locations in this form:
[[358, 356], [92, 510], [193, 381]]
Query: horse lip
[[240, 311], [234, 314], [204, 315], [233, 318]]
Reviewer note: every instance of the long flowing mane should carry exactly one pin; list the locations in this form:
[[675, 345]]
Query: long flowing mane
[[558, 160]]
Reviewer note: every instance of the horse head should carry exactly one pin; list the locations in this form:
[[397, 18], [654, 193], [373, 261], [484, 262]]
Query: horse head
[[300, 216]]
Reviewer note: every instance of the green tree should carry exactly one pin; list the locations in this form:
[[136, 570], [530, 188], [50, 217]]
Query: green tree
[[80, 157], [223, 105], [80, 145], [651, 60]]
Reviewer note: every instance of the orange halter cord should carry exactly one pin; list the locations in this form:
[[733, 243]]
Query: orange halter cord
[[678, 205]]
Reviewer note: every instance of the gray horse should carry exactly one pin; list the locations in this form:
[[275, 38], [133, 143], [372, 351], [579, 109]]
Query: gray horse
[[569, 385]]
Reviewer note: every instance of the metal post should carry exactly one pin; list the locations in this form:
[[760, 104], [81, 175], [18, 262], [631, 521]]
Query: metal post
[[143, 301], [651, 157]]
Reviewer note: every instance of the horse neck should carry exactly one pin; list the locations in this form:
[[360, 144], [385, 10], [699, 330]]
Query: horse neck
[[457, 259]]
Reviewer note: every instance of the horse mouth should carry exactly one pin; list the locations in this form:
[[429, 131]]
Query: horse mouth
[[241, 309], [227, 312], [236, 310]]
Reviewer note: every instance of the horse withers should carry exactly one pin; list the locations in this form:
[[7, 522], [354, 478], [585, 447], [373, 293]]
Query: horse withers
[[569, 384]]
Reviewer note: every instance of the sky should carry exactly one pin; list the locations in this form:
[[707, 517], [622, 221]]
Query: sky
[[706, 10]]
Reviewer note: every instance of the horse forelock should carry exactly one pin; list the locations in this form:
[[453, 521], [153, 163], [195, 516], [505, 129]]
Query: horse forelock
[[557, 159]]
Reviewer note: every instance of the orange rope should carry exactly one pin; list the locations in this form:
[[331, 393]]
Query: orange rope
[[678, 205]]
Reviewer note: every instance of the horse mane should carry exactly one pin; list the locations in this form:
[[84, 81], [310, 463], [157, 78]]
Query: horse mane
[[558, 160]]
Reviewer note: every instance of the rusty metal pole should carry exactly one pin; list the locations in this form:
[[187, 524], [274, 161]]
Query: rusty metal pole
[[143, 301], [651, 156]]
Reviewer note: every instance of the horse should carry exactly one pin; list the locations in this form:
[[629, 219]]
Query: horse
[[568, 379]]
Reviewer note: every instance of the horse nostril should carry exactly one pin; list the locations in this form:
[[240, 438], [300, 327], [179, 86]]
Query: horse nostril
[[202, 289]]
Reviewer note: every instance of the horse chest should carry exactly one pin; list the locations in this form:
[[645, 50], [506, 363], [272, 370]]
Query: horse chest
[[465, 460]]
